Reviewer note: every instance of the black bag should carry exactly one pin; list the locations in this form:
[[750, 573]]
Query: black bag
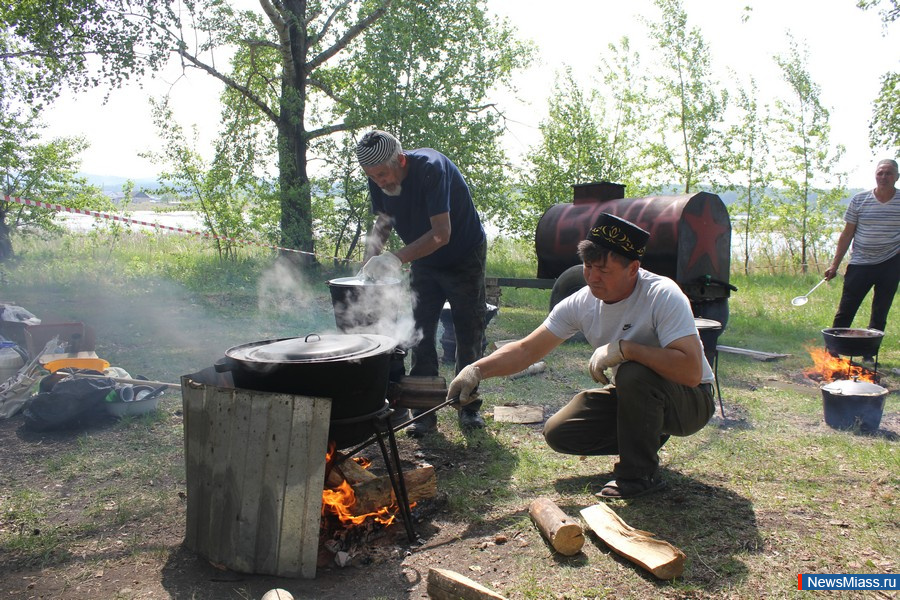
[[68, 403]]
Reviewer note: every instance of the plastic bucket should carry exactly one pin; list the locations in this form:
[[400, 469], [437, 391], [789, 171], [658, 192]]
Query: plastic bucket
[[11, 361]]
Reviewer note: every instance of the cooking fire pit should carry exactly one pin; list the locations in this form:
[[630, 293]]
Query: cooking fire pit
[[852, 402]]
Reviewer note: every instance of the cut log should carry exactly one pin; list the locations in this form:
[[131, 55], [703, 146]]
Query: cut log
[[660, 558], [533, 369], [564, 534], [421, 484], [347, 470], [449, 585]]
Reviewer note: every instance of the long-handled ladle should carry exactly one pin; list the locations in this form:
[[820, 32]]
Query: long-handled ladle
[[801, 300]]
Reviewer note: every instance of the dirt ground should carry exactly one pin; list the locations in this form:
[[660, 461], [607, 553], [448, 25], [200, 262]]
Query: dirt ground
[[384, 564], [142, 555]]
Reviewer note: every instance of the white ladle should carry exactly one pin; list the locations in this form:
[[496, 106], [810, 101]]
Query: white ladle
[[801, 300]]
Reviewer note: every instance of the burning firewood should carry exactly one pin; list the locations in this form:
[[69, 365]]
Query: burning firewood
[[421, 484], [346, 470], [353, 493]]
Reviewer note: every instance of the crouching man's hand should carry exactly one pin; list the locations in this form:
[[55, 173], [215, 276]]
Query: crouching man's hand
[[604, 357], [465, 384]]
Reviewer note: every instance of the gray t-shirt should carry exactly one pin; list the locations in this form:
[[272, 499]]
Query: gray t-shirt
[[877, 236], [655, 314]]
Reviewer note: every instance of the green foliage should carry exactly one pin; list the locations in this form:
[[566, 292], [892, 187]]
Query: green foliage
[[806, 159], [57, 44], [690, 103], [588, 136], [573, 150], [426, 72], [308, 70], [343, 218], [884, 129], [222, 191], [40, 171], [745, 166]]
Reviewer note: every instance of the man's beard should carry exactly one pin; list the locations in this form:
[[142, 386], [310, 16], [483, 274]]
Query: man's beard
[[393, 191]]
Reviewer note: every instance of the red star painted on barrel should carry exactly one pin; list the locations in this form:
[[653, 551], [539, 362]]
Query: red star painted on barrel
[[706, 231]]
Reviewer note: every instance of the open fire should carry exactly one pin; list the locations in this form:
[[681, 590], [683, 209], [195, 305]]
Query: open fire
[[830, 368], [339, 497]]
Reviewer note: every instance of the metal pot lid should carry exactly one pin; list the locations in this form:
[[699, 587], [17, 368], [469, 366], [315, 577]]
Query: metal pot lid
[[315, 348], [851, 387], [358, 282], [850, 332]]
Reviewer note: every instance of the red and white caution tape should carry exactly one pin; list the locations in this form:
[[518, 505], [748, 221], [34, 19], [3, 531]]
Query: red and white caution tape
[[111, 217]]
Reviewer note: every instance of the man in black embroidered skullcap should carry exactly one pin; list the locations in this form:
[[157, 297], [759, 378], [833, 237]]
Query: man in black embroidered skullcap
[[423, 196], [643, 331]]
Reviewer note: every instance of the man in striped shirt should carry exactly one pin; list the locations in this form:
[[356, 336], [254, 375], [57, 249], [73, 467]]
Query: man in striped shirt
[[873, 225]]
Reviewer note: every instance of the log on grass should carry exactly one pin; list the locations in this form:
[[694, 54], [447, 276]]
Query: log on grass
[[421, 484], [449, 585], [564, 534], [660, 558]]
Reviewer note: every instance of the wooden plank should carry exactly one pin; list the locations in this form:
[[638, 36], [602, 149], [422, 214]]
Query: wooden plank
[[274, 461], [215, 463], [519, 414], [195, 434], [253, 412], [305, 478], [640, 547], [255, 482], [520, 282], [755, 354], [449, 585]]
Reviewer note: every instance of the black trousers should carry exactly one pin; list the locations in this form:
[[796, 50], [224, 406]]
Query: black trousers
[[858, 280], [629, 419], [463, 286]]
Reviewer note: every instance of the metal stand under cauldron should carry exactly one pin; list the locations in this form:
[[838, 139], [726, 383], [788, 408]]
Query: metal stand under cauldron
[[709, 331], [380, 422]]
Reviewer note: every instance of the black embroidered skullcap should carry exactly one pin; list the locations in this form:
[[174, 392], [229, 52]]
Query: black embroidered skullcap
[[376, 148], [619, 235]]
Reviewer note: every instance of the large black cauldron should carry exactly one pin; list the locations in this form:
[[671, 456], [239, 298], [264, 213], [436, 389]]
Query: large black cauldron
[[352, 370], [845, 341]]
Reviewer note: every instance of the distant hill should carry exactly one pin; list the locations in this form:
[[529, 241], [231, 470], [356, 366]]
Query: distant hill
[[114, 183]]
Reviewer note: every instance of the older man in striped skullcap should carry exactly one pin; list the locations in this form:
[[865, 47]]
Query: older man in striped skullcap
[[423, 196]]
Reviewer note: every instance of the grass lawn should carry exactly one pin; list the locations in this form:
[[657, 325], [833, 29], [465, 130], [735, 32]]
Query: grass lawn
[[762, 494]]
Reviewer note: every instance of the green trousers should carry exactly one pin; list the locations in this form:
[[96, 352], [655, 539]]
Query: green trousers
[[633, 419]]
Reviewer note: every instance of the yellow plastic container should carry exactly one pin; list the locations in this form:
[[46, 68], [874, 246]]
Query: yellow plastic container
[[95, 364]]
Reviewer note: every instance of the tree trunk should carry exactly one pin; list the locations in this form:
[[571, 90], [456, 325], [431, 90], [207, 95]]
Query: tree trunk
[[6, 250], [296, 203]]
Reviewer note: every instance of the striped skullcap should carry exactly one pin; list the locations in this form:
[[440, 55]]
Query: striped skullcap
[[376, 148]]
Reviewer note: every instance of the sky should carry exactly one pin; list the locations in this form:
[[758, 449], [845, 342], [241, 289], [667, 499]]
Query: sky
[[848, 53]]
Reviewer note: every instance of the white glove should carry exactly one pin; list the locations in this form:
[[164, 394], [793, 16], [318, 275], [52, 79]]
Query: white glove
[[382, 266], [465, 384], [604, 357]]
